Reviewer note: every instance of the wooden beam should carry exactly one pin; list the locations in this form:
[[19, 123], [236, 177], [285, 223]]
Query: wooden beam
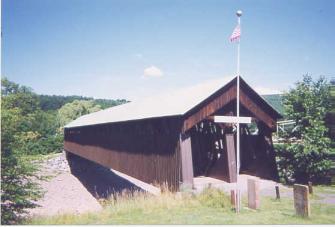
[[186, 161], [257, 110], [231, 158], [209, 108], [232, 119], [219, 102]]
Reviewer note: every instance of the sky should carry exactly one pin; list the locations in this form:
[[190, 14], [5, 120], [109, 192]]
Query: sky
[[138, 48]]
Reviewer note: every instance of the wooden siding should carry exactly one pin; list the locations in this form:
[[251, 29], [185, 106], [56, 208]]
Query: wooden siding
[[248, 99], [152, 150], [209, 108], [147, 150]]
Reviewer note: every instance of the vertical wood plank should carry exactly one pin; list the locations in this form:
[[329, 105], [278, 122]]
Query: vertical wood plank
[[146, 150], [231, 158], [186, 161]]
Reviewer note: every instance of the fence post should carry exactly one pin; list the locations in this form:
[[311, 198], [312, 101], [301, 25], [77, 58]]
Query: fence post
[[253, 193], [277, 192], [233, 199], [310, 187]]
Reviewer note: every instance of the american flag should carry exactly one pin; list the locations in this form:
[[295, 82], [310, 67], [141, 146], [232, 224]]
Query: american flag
[[236, 34]]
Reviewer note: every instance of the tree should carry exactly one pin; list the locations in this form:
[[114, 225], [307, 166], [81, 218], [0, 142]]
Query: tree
[[306, 157], [75, 109], [55, 102], [18, 191], [330, 118], [30, 125], [26, 127]]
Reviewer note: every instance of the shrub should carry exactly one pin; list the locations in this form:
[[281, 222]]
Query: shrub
[[297, 164], [213, 197]]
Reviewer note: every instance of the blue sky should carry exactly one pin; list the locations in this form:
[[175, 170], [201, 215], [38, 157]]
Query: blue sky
[[136, 48]]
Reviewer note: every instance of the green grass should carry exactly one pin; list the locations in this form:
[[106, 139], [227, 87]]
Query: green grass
[[210, 207], [324, 189]]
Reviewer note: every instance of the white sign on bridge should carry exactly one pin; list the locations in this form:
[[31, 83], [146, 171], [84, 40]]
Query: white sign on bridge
[[232, 119]]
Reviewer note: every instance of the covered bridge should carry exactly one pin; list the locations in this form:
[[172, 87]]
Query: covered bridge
[[172, 138]]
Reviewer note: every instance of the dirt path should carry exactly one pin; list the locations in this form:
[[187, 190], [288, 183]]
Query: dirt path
[[266, 187]]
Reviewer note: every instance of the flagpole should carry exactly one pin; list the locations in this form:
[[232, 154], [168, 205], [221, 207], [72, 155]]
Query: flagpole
[[238, 196]]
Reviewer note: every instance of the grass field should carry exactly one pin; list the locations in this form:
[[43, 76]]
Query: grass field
[[210, 207]]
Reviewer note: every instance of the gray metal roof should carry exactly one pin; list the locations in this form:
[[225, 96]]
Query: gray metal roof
[[168, 104], [175, 103]]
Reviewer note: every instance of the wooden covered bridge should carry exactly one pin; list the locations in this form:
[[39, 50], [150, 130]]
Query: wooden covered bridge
[[172, 138]]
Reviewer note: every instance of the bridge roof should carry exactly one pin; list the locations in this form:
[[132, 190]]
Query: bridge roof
[[176, 103]]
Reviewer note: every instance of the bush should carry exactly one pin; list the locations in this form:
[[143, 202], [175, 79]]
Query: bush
[[296, 164], [213, 197], [43, 145]]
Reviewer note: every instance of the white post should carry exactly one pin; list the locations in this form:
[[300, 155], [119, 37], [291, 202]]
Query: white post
[[238, 101], [238, 202], [239, 14]]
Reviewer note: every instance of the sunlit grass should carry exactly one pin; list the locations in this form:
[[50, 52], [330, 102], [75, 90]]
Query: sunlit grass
[[210, 207], [324, 189]]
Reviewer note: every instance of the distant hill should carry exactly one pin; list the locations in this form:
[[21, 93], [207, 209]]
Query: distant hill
[[54, 102], [276, 101]]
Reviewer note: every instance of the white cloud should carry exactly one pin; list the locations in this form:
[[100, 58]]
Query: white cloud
[[152, 71]]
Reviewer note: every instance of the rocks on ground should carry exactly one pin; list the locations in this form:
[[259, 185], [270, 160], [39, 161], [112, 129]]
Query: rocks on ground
[[64, 193]]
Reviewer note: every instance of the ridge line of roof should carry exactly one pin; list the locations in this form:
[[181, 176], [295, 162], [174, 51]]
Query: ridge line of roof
[[177, 103]]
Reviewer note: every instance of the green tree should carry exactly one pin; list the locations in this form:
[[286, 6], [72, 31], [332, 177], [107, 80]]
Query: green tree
[[18, 191], [17, 188], [75, 109], [55, 102], [30, 125], [330, 119], [306, 156], [16, 96], [31, 130]]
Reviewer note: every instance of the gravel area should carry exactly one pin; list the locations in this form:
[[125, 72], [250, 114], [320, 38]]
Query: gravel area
[[57, 164], [64, 193]]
